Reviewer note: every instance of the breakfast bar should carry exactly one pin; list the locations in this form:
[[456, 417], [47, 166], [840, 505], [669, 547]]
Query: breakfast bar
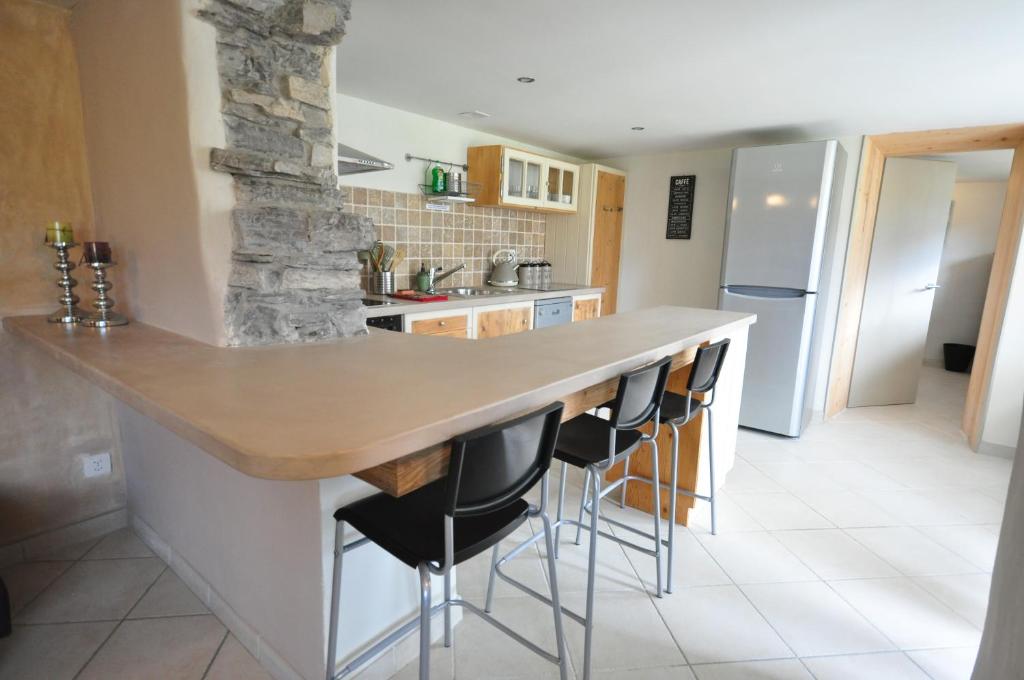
[[236, 458]]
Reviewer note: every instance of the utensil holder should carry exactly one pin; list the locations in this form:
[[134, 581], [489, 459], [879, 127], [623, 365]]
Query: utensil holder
[[382, 283]]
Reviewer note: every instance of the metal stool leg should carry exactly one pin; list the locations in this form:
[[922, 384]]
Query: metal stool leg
[[556, 607], [587, 476], [561, 505], [656, 509], [448, 609], [674, 476], [625, 481], [588, 640], [332, 636], [490, 580], [424, 621], [711, 475]]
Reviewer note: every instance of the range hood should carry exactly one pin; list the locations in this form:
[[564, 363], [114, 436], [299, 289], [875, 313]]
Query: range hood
[[351, 161]]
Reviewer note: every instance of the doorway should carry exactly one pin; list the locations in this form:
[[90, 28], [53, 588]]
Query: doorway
[[877, 149]]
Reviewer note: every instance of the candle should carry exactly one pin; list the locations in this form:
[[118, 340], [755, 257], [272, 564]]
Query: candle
[[96, 252], [59, 233]]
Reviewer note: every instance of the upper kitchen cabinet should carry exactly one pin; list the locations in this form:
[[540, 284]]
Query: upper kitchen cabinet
[[511, 178]]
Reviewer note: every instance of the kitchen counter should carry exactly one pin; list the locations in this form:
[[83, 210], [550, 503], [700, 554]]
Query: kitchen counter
[[335, 408], [514, 295]]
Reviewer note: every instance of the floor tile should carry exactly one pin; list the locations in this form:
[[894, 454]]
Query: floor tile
[[847, 509], [442, 659], [918, 508], [910, 552], [668, 673], [73, 551], [614, 572], [718, 623], [26, 580], [119, 544], [527, 567], [907, 614], [946, 664], [856, 475], [814, 620], [169, 596], [234, 662], [975, 543], [966, 594], [628, 633], [780, 511], [94, 591], [831, 554], [731, 517], [783, 669], [756, 557], [764, 452], [797, 476], [179, 648], [745, 477], [885, 666], [52, 652], [691, 564]]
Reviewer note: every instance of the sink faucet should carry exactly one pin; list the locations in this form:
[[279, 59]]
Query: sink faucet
[[437, 278]]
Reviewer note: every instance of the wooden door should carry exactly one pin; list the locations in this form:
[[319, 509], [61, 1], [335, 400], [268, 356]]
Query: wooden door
[[586, 308], [913, 212], [607, 243], [450, 326], [503, 322]]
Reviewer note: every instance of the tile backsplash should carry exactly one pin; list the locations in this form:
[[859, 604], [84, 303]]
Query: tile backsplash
[[467, 233]]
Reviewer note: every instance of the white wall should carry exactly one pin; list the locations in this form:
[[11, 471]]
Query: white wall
[[654, 270], [966, 265], [1006, 392], [390, 133]]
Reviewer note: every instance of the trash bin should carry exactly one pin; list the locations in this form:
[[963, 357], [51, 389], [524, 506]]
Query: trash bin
[[958, 357]]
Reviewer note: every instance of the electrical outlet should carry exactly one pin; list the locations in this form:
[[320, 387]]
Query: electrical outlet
[[96, 465]]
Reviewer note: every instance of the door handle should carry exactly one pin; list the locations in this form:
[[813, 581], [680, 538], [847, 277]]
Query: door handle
[[932, 286]]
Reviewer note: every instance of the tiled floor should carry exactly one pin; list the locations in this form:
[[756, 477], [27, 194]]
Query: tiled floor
[[109, 609], [863, 550]]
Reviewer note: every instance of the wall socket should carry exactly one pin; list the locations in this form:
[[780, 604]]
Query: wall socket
[[96, 465]]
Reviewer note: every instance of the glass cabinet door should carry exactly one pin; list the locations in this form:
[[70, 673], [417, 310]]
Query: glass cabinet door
[[568, 196], [554, 182], [533, 176], [515, 177]]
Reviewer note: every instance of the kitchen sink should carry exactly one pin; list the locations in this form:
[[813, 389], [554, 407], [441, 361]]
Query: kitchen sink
[[472, 292]]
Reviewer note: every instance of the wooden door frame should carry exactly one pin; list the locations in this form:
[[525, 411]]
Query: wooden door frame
[[858, 254]]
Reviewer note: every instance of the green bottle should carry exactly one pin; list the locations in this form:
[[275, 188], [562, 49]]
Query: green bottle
[[423, 279], [437, 184]]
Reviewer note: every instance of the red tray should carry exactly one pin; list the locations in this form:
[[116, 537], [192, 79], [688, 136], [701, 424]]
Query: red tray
[[416, 296]]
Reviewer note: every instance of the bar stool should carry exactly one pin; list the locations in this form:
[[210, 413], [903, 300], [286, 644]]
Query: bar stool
[[447, 522], [676, 411], [595, 445]]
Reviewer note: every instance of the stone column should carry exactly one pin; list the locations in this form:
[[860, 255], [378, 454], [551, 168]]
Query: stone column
[[295, 274]]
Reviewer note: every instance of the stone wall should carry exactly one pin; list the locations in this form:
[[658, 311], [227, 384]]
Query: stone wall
[[295, 275]]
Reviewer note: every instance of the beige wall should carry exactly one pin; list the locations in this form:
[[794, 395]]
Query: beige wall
[[48, 416], [152, 112]]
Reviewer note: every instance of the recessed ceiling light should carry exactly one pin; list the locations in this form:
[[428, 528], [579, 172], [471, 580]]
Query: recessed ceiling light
[[525, 79], [475, 114], [637, 128]]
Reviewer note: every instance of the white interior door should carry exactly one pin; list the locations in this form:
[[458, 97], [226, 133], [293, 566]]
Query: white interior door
[[913, 209]]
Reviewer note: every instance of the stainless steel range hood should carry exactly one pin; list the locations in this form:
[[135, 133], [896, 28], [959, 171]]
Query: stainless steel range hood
[[351, 161]]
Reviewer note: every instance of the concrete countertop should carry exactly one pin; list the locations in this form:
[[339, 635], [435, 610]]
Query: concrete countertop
[[334, 408], [513, 295]]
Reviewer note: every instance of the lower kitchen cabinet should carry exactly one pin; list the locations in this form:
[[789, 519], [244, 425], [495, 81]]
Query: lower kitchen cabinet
[[496, 320], [586, 307], [454, 323]]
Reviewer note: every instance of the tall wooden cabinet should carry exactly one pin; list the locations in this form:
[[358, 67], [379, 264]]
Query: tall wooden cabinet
[[585, 248]]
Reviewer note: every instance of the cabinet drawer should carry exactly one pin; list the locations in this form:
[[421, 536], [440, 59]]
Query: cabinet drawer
[[449, 325]]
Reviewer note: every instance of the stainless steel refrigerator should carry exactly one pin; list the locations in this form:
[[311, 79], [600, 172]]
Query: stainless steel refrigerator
[[782, 208]]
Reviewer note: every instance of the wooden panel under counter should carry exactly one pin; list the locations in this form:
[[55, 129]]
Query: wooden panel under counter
[[452, 326]]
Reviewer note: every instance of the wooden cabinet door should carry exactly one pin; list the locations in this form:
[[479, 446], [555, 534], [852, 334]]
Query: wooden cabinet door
[[503, 322], [454, 326], [587, 308], [604, 264]]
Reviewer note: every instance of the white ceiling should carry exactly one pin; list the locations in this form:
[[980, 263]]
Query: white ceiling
[[695, 74], [979, 166]]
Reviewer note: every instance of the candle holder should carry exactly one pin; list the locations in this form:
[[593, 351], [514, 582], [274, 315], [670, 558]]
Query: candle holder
[[103, 317], [69, 311]]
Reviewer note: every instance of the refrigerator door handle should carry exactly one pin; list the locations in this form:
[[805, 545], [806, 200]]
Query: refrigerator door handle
[[760, 293]]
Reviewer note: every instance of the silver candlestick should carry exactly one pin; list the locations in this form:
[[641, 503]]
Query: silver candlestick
[[69, 311], [102, 317]]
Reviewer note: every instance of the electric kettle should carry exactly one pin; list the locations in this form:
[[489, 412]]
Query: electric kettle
[[505, 266]]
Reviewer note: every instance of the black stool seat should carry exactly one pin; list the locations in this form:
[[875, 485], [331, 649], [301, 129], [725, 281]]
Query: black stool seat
[[411, 527], [584, 440], [673, 408]]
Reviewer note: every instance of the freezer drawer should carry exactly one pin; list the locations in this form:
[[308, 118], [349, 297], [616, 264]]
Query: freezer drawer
[[552, 312], [774, 384]]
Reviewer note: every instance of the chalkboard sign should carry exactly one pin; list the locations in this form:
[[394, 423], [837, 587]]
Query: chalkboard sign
[[680, 206]]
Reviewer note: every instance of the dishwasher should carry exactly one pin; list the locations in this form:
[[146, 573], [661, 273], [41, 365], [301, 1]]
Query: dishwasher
[[552, 312]]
